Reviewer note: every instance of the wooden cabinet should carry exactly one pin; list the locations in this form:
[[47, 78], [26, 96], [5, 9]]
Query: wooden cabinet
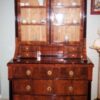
[[50, 61]]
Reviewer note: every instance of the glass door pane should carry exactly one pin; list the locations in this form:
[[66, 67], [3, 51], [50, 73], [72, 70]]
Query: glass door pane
[[66, 21], [33, 26]]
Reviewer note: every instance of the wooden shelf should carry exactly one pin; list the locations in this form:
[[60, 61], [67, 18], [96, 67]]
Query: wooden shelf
[[63, 6], [32, 6], [70, 24], [33, 24]]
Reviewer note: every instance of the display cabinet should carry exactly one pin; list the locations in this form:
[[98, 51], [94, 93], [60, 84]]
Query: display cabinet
[[50, 61]]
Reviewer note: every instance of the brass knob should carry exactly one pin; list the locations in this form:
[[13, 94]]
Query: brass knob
[[70, 88], [71, 73], [28, 87], [27, 48], [27, 54], [28, 72], [49, 88], [49, 72]]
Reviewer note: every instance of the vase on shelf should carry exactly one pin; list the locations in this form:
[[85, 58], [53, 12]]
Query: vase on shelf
[[41, 2]]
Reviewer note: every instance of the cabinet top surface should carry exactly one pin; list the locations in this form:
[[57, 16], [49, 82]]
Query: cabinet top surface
[[50, 60]]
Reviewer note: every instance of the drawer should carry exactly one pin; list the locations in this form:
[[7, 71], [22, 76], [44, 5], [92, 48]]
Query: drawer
[[29, 97], [35, 71], [33, 87], [68, 87], [25, 48], [48, 87], [72, 49], [45, 71], [28, 54], [73, 72]]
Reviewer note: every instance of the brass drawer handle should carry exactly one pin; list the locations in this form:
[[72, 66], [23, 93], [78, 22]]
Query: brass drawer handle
[[70, 88], [28, 87], [49, 72], [28, 72], [27, 54], [27, 48], [71, 73], [49, 88]]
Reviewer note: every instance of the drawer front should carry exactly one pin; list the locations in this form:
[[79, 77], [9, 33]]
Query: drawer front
[[25, 48], [33, 87], [44, 87], [40, 71], [35, 72], [29, 97], [71, 87]]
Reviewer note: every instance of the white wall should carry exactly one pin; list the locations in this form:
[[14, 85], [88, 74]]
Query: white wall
[[7, 42], [93, 24]]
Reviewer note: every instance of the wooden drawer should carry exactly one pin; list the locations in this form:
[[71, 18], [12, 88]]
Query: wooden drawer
[[45, 71], [28, 54], [48, 87], [29, 97], [35, 72], [25, 48], [74, 72]]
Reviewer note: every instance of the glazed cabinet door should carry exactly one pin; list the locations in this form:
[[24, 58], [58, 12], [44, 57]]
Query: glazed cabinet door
[[66, 20], [32, 21]]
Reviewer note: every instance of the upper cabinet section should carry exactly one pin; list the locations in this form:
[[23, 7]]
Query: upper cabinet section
[[50, 21]]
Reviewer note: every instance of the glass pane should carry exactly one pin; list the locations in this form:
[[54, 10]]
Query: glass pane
[[33, 2], [66, 33], [66, 2], [33, 33], [33, 15], [65, 16]]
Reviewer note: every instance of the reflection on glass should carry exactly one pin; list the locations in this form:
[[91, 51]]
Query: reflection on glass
[[74, 3], [59, 18], [41, 2]]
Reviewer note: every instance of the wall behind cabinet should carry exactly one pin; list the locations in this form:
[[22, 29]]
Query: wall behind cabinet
[[7, 42]]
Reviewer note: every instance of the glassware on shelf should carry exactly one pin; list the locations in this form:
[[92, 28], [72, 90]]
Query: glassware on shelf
[[27, 4], [59, 4], [74, 3], [41, 2], [22, 4], [66, 39], [33, 21], [43, 21], [74, 21], [24, 21]]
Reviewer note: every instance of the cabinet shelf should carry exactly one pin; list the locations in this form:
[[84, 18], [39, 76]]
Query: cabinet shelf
[[63, 6], [32, 6], [69, 24], [33, 24]]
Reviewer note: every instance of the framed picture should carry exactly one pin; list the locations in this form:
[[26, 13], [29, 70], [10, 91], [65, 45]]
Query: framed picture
[[95, 6]]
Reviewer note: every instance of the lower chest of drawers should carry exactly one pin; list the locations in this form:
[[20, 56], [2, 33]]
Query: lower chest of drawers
[[49, 82], [50, 87]]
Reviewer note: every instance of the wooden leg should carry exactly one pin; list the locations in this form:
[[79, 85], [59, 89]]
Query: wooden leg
[[10, 90]]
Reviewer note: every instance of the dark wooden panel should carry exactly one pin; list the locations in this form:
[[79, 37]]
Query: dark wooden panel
[[71, 87], [49, 71], [65, 87], [29, 97]]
